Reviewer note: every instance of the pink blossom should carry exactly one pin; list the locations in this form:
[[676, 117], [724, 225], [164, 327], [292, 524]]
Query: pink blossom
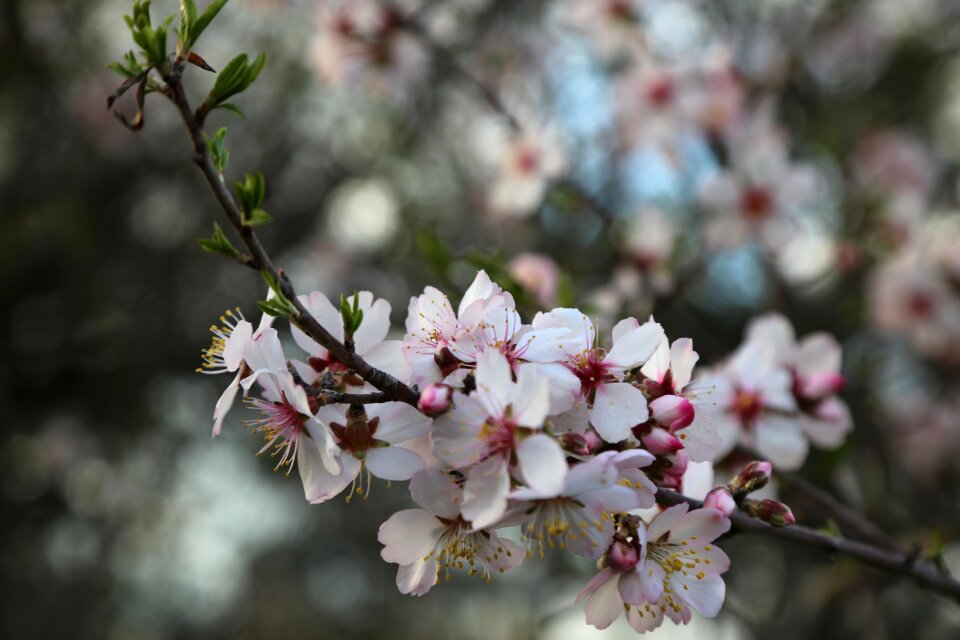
[[538, 274]]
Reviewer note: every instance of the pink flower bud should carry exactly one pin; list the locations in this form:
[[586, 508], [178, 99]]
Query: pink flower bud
[[622, 557], [673, 475], [752, 477], [435, 399], [660, 442], [821, 385], [672, 412], [771, 511], [582, 444], [720, 499]]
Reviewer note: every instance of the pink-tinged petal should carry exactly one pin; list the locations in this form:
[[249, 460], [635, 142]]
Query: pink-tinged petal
[[751, 364], [408, 535], [830, 423], [776, 390], [326, 314], [664, 521], [375, 325], [319, 485], [325, 445], [264, 355], [398, 423], [819, 353], [595, 583], [542, 464], [494, 382], [531, 398], [780, 439], [224, 403], [659, 363], [704, 595], [437, 492], [624, 327], [635, 347], [682, 360], [233, 349], [661, 442], [428, 313], [481, 289], [672, 412], [393, 463], [388, 356], [775, 331], [646, 618], [652, 576], [604, 605], [706, 524], [820, 385], [418, 578], [616, 409], [485, 493], [630, 586]]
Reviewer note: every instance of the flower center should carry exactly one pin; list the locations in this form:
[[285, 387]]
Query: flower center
[[212, 356], [747, 405], [592, 372], [282, 427], [756, 203]]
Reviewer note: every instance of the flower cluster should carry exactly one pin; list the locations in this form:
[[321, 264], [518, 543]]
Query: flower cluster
[[536, 427], [776, 396]]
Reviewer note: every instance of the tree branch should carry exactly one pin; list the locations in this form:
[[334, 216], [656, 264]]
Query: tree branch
[[924, 572], [383, 381]]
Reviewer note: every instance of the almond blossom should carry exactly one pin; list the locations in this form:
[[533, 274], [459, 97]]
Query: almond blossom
[[370, 440], [225, 355], [287, 421], [659, 570], [614, 405], [494, 433], [436, 538]]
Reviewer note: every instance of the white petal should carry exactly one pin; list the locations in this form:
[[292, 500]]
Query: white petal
[[326, 314], [682, 360], [494, 382], [418, 578], [630, 586], [604, 605], [818, 353], [542, 464], [706, 524], [375, 325], [224, 403], [658, 364], [408, 535], [319, 485], [616, 409], [664, 521], [485, 493], [531, 397], [398, 422], [393, 463], [704, 595], [635, 348], [437, 492], [781, 440], [233, 349], [388, 356], [776, 331]]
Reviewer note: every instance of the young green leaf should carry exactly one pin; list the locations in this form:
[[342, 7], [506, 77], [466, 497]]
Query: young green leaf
[[218, 243]]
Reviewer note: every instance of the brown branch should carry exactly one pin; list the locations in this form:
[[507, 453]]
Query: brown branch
[[924, 572], [848, 519], [383, 381], [329, 396]]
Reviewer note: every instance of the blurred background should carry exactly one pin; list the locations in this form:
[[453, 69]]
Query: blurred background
[[704, 161]]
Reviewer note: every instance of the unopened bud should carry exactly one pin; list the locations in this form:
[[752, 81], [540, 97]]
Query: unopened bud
[[435, 399], [622, 556], [659, 442], [582, 444], [770, 511], [672, 412], [673, 475], [720, 499], [752, 477]]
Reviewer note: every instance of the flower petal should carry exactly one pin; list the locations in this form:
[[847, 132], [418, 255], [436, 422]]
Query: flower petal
[[543, 464], [616, 409], [393, 463]]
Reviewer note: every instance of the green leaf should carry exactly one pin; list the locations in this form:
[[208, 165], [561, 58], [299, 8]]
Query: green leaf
[[220, 155], [232, 108], [274, 308], [258, 217], [235, 78], [218, 243], [201, 23]]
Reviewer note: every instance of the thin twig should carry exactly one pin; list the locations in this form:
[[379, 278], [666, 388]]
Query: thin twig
[[924, 572], [329, 396], [383, 381]]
